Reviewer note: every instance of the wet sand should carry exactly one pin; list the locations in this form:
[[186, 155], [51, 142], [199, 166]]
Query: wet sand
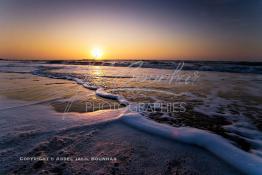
[[88, 135], [30, 127]]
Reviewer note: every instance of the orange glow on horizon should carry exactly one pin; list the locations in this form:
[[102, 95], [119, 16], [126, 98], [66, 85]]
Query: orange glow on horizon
[[127, 30], [120, 39]]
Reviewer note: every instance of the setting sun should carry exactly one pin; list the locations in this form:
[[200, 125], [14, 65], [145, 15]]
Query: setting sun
[[97, 53]]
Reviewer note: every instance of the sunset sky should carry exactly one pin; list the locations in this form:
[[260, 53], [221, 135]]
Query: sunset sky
[[131, 29]]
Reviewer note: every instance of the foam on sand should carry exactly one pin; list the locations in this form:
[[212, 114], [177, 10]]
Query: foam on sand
[[102, 93], [99, 90], [245, 162]]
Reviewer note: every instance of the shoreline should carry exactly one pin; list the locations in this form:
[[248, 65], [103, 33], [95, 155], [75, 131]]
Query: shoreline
[[98, 137], [40, 132]]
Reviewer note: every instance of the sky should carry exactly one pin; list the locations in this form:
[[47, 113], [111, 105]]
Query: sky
[[131, 29]]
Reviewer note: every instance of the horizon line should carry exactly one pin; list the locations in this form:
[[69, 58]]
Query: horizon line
[[135, 59]]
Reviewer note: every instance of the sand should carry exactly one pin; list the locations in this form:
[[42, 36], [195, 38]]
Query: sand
[[33, 133], [31, 126]]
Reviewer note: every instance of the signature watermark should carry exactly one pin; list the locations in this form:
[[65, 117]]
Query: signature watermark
[[137, 72], [173, 107], [67, 159]]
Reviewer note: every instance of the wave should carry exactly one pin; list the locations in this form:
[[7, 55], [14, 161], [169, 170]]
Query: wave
[[216, 66], [213, 66]]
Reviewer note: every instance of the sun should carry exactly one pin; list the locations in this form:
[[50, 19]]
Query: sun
[[97, 53]]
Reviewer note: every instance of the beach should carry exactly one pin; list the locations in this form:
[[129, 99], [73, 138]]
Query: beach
[[105, 119]]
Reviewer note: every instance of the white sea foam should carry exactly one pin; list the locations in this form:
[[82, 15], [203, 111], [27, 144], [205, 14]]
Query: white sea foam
[[245, 162], [241, 126], [78, 81], [102, 93], [89, 86]]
